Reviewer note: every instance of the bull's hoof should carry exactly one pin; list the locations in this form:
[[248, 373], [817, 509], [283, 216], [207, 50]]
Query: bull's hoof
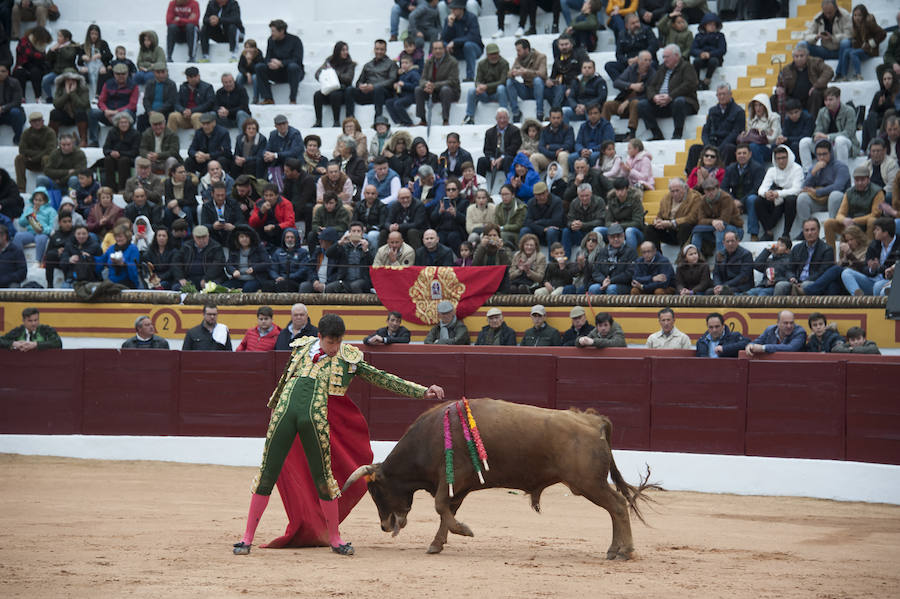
[[462, 530], [434, 548], [617, 555]]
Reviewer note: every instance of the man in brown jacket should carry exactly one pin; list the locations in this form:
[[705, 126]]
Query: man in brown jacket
[[676, 217], [716, 215], [672, 91], [440, 82], [526, 79], [35, 146], [804, 79]]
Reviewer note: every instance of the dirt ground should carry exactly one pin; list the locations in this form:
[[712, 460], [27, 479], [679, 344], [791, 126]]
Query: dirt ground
[[79, 528]]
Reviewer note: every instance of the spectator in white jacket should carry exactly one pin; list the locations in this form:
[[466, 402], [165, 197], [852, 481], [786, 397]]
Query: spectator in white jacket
[[777, 194]]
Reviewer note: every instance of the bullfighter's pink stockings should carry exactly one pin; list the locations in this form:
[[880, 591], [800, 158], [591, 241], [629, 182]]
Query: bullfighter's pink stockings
[[258, 505]]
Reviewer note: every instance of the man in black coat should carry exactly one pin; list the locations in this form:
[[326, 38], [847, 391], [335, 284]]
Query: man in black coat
[[501, 144], [496, 332], [221, 215], [742, 180], [283, 62], [209, 335], [232, 105], [300, 190], [809, 260], [580, 327], [300, 326], [202, 260], [433, 252], [454, 157], [221, 23], [407, 215], [394, 332]]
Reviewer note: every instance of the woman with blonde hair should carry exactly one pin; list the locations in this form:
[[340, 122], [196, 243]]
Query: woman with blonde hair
[[350, 126], [528, 265]]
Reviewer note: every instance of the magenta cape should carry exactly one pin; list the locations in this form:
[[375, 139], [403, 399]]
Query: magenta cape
[[350, 449]]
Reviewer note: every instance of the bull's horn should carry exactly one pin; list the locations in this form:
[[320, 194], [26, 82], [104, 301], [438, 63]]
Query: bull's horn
[[357, 474]]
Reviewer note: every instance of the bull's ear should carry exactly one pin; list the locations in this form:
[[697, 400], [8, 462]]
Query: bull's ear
[[369, 478]]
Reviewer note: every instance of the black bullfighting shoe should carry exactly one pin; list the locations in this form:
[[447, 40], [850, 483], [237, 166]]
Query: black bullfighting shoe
[[242, 548], [345, 549]]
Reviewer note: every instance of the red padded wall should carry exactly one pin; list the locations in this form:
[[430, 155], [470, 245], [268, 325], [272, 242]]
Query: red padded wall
[[873, 412], [41, 392]]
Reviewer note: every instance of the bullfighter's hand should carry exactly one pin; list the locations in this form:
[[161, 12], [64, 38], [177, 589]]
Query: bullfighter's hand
[[434, 392]]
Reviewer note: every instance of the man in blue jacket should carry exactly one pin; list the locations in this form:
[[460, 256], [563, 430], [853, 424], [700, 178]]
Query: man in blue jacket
[[545, 216], [825, 184], [653, 273], [194, 98], [285, 142], [719, 341], [283, 62], [211, 142], [13, 268], [591, 136], [589, 89], [557, 141], [785, 335], [463, 36], [724, 122]]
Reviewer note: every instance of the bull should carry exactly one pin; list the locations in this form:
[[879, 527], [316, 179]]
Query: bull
[[528, 448]]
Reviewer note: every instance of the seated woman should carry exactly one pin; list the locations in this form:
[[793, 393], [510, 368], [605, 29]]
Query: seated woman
[[528, 265], [120, 261], [710, 164], [763, 128], [121, 147], [79, 256], [248, 263], [37, 223], [637, 168], [104, 213], [350, 126], [313, 162], [180, 196], [158, 259], [94, 58], [250, 57], [584, 257], [478, 214], [344, 66], [249, 148]]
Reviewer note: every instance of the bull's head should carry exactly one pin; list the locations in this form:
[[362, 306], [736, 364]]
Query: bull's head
[[393, 502]]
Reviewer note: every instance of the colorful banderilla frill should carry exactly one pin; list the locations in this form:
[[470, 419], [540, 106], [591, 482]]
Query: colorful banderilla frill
[[474, 443]]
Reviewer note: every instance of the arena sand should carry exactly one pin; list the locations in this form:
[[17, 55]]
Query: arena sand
[[79, 528]]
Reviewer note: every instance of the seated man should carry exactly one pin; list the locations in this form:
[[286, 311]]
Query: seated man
[[672, 91], [860, 207], [677, 216], [453, 157], [829, 31], [809, 260], [586, 213], [160, 94], [202, 261], [352, 256], [584, 92], [733, 272], [300, 326], [777, 193], [263, 336], [449, 330], [210, 334], [272, 215], [375, 83], [804, 80], [432, 252], [591, 136], [195, 97], [822, 338], [144, 177], [836, 123], [13, 267], [182, 25], [556, 143], [448, 216], [283, 143], [496, 331], [856, 343], [324, 272], [719, 341], [394, 332], [62, 165], [232, 105], [385, 180], [606, 333], [636, 38], [580, 327], [11, 103], [36, 144], [540, 334], [501, 144], [668, 337], [407, 216], [881, 258], [544, 216], [583, 173], [463, 36], [775, 264], [221, 215], [526, 79], [742, 181], [395, 252], [439, 82], [782, 336], [221, 23], [567, 62], [724, 122], [653, 273], [883, 169], [624, 207], [31, 334], [717, 215], [118, 94], [490, 83], [613, 271], [211, 142], [160, 145], [145, 336], [796, 124], [825, 184], [283, 62], [631, 85]]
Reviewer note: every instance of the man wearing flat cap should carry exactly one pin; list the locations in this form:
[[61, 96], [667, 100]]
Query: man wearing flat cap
[[145, 336], [449, 330], [490, 82], [34, 148], [202, 261], [496, 332], [580, 327], [541, 333], [194, 98], [861, 206], [211, 142], [160, 95], [119, 93], [160, 145], [283, 143]]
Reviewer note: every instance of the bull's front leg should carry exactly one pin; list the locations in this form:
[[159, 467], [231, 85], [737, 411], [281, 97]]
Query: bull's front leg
[[446, 508]]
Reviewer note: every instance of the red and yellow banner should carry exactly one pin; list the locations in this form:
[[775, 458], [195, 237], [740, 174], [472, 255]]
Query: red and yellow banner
[[415, 291]]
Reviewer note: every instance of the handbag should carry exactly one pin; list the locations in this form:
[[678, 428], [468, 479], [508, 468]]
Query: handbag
[[328, 81], [753, 136]]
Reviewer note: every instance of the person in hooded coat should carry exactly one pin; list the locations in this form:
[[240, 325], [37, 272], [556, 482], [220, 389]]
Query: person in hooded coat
[[708, 48], [290, 264], [248, 263], [777, 194], [522, 177]]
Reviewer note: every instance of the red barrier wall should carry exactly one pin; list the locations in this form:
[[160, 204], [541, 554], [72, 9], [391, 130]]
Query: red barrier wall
[[826, 406]]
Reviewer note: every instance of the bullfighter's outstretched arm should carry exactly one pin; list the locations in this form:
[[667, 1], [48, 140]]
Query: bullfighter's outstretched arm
[[391, 382]]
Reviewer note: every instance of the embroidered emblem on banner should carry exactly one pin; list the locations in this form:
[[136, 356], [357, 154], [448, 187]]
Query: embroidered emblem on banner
[[435, 283]]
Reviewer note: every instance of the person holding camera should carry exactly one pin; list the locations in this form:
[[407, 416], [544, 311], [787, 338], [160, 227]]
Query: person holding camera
[[352, 256]]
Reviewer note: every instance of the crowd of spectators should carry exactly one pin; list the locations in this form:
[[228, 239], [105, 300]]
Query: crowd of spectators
[[277, 215]]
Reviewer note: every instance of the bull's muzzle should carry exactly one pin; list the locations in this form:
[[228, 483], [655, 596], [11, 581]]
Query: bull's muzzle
[[393, 524]]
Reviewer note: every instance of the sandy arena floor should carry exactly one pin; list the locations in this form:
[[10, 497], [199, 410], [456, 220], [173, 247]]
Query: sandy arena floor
[[76, 528]]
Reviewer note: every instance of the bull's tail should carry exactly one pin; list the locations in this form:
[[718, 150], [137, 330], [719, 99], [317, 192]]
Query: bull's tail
[[633, 494]]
